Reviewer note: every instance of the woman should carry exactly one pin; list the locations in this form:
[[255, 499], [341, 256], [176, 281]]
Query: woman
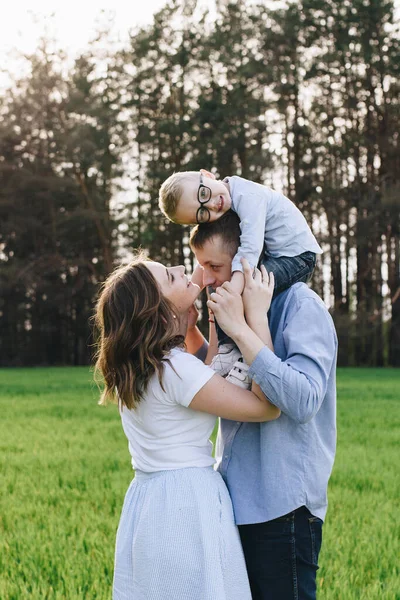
[[176, 539]]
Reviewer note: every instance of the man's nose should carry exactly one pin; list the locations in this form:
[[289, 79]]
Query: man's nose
[[208, 278]]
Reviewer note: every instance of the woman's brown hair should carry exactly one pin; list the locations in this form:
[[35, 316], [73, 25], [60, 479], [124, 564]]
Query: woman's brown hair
[[136, 329]]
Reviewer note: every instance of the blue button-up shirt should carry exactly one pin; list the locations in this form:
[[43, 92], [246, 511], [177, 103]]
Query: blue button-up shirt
[[273, 468]]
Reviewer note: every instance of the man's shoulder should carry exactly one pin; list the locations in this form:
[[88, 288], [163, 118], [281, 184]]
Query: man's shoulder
[[302, 308], [298, 294]]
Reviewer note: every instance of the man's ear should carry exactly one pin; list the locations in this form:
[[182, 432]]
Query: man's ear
[[207, 174]]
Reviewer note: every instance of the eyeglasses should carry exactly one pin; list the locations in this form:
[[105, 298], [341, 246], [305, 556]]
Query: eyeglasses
[[203, 196]]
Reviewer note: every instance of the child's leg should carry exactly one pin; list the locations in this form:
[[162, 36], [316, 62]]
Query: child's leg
[[290, 269]]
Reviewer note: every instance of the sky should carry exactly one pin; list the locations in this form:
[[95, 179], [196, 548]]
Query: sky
[[71, 23], [74, 22]]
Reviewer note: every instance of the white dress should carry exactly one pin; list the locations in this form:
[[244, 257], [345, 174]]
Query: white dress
[[177, 539]]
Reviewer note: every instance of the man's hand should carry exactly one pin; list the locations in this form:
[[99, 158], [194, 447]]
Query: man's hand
[[227, 306], [257, 293]]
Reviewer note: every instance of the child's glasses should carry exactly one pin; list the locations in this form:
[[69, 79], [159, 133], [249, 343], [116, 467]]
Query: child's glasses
[[203, 195]]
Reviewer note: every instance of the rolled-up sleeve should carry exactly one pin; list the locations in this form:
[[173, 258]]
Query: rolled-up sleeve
[[298, 384]]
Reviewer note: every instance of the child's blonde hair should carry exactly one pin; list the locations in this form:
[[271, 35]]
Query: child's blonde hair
[[171, 191]]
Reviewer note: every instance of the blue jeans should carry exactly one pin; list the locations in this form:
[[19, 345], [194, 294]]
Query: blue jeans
[[287, 271], [290, 269], [282, 556]]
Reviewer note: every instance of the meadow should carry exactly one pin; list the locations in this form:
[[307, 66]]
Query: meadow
[[65, 468]]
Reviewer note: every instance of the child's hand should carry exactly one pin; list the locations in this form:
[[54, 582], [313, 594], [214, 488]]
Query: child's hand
[[237, 282], [197, 276], [257, 293], [227, 306]]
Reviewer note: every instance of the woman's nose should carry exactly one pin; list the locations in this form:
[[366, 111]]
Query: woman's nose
[[180, 269]]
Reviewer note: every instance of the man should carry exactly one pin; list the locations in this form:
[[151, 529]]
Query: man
[[277, 473]]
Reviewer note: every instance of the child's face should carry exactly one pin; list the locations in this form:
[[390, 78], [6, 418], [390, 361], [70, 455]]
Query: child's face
[[203, 200]]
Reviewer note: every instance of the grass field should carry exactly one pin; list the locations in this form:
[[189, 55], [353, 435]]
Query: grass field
[[65, 468]]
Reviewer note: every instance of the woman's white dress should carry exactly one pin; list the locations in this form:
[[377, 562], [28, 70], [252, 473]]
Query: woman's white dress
[[176, 539]]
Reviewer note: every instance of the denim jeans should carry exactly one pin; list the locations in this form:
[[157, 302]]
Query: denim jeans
[[290, 269], [282, 556], [287, 271]]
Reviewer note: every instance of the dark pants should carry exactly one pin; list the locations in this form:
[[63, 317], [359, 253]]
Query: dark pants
[[282, 556], [287, 270]]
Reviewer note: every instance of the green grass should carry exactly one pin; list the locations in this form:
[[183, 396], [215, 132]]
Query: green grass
[[65, 467], [361, 547]]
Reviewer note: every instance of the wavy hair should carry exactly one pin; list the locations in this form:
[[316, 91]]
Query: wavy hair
[[136, 328]]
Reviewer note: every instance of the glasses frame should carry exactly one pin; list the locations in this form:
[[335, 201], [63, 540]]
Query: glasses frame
[[202, 202]]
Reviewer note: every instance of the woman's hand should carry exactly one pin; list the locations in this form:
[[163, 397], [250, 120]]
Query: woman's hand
[[227, 306], [257, 293]]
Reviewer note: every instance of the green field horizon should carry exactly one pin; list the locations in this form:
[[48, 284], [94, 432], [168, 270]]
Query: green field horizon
[[65, 468]]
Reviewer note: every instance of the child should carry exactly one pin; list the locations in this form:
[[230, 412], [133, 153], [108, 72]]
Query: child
[[267, 219], [269, 222]]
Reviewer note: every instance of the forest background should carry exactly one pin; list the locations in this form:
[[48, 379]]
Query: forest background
[[302, 96]]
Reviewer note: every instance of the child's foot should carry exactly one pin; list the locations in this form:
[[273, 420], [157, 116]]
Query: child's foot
[[239, 374], [227, 356]]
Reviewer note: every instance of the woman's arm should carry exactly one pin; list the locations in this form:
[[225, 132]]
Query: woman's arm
[[223, 399], [212, 341], [194, 340], [212, 332]]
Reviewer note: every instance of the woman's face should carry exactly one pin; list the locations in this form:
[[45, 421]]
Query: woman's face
[[174, 285]]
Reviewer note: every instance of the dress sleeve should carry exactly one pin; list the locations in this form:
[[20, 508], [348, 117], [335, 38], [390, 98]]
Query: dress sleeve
[[184, 377]]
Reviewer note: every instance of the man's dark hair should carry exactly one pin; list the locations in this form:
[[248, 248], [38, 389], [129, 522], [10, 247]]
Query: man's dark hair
[[227, 227]]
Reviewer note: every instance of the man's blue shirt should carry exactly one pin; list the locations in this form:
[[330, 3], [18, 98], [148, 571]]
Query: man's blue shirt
[[273, 468]]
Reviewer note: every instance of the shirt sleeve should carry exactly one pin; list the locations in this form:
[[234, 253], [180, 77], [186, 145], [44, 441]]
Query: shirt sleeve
[[251, 209], [298, 384], [184, 377]]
